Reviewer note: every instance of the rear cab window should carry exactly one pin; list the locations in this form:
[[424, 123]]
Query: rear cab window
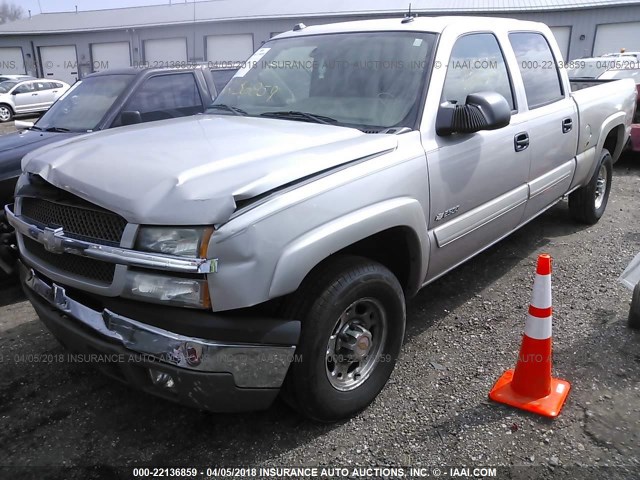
[[538, 68]]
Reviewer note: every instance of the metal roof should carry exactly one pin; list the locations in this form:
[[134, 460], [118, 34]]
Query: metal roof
[[226, 10]]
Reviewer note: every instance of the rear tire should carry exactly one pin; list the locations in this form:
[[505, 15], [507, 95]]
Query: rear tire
[[6, 114], [634, 311], [588, 203], [353, 318]]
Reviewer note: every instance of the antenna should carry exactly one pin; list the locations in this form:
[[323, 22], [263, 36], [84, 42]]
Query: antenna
[[408, 17]]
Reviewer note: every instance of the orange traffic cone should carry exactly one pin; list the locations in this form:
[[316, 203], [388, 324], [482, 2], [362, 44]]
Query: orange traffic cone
[[531, 387]]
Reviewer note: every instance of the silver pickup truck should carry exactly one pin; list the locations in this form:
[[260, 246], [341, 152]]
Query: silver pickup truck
[[269, 244]]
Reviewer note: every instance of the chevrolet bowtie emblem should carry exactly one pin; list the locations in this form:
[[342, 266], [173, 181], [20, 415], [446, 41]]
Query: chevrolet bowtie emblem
[[52, 240]]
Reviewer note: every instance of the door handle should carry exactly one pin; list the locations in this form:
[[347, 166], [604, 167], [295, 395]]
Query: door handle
[[521, 141], [34, 94], [567, 125]]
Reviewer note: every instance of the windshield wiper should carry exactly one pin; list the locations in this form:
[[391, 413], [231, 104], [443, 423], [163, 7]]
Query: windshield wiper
[[293, 115], [56, 129], [228, 108]]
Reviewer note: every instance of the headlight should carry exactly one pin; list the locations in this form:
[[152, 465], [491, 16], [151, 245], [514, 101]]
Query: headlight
[[183, 242], [178, 291]]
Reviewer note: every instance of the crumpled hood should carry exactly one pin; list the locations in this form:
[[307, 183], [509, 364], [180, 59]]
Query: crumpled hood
[[192, 170]]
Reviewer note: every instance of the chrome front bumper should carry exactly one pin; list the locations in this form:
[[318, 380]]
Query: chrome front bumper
[[252, 365], [55, 241]]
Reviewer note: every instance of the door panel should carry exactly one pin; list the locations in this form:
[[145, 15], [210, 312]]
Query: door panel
[[229, 48], [547, 188], [46, 96], [563, 37], [11, 61], [481, 216], [485, 179], [27, 98], [477, 182], [60, 63], [105, 56], [552, 122], [611, 37], [165, 52]]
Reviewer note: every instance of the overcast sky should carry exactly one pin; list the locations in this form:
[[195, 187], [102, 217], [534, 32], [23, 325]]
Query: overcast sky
[[69, 5]]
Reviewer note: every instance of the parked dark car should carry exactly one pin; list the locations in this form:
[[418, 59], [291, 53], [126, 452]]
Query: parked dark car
[[102, 100]]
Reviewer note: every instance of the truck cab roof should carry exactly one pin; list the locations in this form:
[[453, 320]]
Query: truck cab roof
[[420, 24]]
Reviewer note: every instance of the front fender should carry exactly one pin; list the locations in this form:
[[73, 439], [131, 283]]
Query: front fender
[[302, 254]]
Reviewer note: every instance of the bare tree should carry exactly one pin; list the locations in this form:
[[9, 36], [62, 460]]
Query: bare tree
[[10, 12]]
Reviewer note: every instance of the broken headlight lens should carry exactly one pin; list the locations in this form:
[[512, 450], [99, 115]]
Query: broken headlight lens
[[177, 291], [183, 242]]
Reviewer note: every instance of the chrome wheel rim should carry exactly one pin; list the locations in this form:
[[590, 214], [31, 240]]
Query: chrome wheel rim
[[5, 114], [355, 344], [601, 186]]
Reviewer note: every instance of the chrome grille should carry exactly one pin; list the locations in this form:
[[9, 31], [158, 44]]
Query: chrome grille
[[85, 223], [87, 268]]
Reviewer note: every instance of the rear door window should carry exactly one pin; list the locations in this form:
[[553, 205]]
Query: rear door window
[[538, 68]]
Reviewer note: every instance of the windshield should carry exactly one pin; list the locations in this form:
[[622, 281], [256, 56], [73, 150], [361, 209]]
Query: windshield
[[84, 105], [363, 80], [626, 73], [6, 86]]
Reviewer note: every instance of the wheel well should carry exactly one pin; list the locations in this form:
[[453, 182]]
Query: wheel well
[[8, 106], [613, 138], [398, 249]]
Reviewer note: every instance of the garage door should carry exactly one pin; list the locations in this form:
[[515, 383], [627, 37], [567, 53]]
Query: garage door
[[563, 36], [11, 61], [60, 63], [611, 37], [229, 48], [165, 52], [110, 55]]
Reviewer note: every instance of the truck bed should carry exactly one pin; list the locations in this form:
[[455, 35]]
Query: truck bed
[[580, 83], [595, 100]]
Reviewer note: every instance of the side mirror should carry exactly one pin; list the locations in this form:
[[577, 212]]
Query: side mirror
[[482, 111], [131, 117], [22, 125]]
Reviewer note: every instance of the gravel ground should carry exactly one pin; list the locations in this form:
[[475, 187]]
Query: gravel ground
[[463, 331]]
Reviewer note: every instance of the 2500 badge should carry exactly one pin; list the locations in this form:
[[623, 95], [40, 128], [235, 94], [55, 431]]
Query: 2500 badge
[[447, 213]]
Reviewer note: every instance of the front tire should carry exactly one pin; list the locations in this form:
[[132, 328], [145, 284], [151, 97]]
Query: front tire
[[353, 318], [588, 203], [6, 114]]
